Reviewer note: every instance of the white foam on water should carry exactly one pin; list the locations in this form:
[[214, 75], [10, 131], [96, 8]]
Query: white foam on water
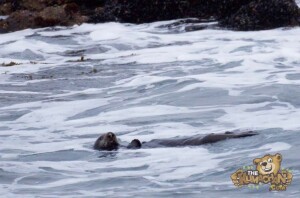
[[275, 147], [20, 92], [187, 158], [3, 17], [279, 117], [53, 114], [14, 36]]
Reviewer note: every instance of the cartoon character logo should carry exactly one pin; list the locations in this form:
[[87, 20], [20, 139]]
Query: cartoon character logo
[[268, 170], [269, 164]]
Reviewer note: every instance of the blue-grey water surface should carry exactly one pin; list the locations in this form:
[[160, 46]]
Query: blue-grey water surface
[[147, 82]]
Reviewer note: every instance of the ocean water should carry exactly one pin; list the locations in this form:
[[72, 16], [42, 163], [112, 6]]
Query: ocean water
[[145, 81]]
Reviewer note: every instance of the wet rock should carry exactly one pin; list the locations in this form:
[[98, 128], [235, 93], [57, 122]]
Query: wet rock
[[37, 5], [263, 14], [60, 15], [6, 9], [33, 5], [225, 8], [18, 20], [143, 11], [8, 6], [43, 13], [64, 15], [233, 14]]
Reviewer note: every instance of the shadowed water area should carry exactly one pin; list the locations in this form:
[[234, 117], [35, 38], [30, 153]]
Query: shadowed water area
[[145, 81]]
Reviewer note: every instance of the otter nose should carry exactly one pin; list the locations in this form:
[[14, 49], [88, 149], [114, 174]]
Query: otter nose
[[110, 135], [264, 164]]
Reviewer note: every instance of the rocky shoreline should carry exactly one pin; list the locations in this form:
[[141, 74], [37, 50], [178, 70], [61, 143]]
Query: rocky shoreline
[[242, 15]]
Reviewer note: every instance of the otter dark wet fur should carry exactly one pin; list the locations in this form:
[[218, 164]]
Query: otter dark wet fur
[[135, 144], [109, 141]]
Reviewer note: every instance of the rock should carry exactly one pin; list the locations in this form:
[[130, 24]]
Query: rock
[[143, 11], [6, 9], [263, 14], [43, 13], [9, 5], [64, 15], [232, 14], [60, 15], [18, 20], [38, 5], [225, 8], [33, 5]]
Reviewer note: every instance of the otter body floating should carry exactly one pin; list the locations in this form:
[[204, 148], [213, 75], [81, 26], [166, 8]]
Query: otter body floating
[[109, 141]]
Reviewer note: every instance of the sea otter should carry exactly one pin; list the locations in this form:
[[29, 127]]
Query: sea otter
[[109, 141]]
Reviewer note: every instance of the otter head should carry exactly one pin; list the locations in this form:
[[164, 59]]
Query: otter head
[[268, 164], [107, 141]]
